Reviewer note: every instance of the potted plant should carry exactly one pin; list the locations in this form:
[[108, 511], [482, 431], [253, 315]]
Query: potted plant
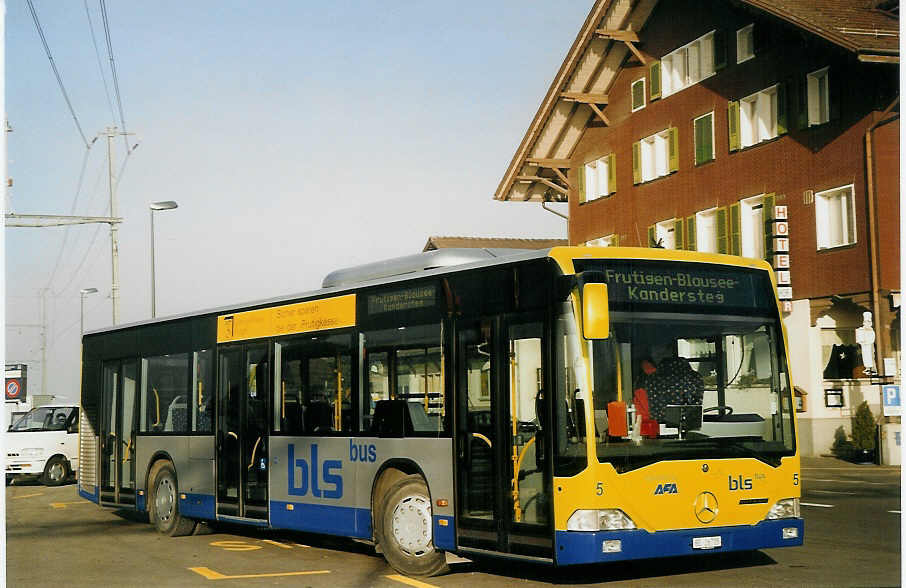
[[864, 431]]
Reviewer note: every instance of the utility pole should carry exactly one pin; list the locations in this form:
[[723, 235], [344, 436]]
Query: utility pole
[[114, 230]]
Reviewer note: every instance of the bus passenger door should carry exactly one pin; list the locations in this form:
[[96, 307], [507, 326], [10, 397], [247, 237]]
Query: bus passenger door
[[118, 431], [242, 459]]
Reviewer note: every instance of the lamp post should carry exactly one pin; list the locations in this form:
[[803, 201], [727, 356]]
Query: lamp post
[[163, 205], [82, 293]]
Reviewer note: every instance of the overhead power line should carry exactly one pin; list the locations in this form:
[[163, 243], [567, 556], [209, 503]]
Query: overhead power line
[[56, 72], [97, 54], [116, 84]]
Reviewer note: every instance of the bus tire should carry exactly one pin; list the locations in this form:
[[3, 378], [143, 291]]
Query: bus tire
[[406, 532], [163, 503], [56, 471], [388, 478]]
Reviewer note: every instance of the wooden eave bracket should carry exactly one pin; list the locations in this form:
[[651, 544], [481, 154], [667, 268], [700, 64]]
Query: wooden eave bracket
[[629, 37], [593, 100], [546, 181]]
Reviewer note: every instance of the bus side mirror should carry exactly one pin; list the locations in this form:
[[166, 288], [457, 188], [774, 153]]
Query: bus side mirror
[[595, 313]]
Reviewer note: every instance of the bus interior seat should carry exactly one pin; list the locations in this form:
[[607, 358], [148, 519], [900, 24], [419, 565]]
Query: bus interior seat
[[318, 417], [391, 418], [292, 415], [177, 415], [421, 422]]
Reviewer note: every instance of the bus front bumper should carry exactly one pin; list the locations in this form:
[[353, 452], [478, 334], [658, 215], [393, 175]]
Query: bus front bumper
[[583, 547]]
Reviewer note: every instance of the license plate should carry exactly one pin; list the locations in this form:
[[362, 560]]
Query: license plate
[[706, 542]]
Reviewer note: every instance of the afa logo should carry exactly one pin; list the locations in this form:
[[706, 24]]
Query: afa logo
[[666, 489], [332, 479]]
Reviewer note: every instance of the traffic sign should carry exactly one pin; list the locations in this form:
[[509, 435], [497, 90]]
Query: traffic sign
[[891, 394], [12, 389]]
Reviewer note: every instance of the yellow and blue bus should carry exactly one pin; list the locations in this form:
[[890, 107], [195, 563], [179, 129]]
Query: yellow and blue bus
[[569, 406]]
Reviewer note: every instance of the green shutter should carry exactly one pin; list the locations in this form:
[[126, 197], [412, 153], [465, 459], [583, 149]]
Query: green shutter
[[834, 90], [704, 143], [611, 173], [767, 208], [720, 49], [652, 236], [722, 230], [673, 149], [782, 109], [637, 163], [616, 240], [699, 154], [801, 86], [654, 75], [735, 221], [638, 94], [733, 124], [691, 244], [580, 189], [678, 234]]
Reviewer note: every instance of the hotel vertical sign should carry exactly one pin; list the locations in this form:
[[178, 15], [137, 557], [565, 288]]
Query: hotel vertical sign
[[780, 233]]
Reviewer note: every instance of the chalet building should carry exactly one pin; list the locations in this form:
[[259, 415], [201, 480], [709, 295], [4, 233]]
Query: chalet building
[[762, 128]]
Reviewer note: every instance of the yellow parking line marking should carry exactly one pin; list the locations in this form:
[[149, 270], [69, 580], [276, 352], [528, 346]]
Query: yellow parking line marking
[[28, 495], [210, 574], [64, 504], [410, 581], [277, 543]]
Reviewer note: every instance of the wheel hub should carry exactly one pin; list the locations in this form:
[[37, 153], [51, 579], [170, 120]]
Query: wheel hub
[[412, 525], [164, 499], [56, 472]]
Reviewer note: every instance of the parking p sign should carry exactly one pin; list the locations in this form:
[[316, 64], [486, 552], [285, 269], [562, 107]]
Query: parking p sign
[[891, 394]]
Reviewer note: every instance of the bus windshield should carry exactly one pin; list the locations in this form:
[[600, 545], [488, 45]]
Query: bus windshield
[[45, 418], [690, 387]]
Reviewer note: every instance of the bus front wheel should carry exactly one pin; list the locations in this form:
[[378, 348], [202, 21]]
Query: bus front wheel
[[406, 532], [163, 504]]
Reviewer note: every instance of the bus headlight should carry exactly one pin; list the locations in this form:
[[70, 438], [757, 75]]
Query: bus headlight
[[788, 508], [610, 519], [32, 452]]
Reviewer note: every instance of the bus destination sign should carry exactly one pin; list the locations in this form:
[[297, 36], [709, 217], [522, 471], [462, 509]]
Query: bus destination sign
[[685, 285], [404, 299]]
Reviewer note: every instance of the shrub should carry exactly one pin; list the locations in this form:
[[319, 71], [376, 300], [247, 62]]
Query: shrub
[[864, 428]]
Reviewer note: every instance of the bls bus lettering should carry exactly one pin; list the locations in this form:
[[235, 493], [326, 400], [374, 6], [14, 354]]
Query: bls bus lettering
[[362, 452], [740, 484], [294, 464]]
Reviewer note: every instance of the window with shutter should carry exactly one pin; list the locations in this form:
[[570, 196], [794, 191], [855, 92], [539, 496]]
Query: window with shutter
[[638, 94], [818, 97], [835, 217], [636, 162], [704, 138], [721, 224], [706, 230], [665, 234], [691, 237], [654, 75], [655, 156], [598, 179], [745, 43], [735, 245], [759, 117], [689, 64], [733, 125], [752, 226]]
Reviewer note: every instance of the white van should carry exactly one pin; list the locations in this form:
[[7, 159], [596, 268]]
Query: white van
[[44, 442]]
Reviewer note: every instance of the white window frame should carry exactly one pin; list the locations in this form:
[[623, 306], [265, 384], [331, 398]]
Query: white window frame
[[596, 184], [751, 232], [632, 94], [818, 104], [654, 156], [706, 231], [665, 233], [758, 117], [605, 241], [688, 65], [744, 38], [694, 147], [824, 216]]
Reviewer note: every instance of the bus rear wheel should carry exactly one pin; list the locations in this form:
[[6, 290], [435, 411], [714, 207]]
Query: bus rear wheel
[[406, 531], [56, 471], [163, 502]]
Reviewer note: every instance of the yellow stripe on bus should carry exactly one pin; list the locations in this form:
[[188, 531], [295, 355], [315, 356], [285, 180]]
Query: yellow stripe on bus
[[301, 317]]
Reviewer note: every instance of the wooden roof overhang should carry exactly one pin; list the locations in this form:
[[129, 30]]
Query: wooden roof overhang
[[607, 39]]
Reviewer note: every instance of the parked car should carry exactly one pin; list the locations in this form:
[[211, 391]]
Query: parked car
[[44, 442]]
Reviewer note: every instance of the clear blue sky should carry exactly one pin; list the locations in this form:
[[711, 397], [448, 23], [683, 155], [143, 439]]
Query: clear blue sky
[[297, 138]]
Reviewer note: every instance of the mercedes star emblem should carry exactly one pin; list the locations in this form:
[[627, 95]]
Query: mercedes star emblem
[[706, 507]]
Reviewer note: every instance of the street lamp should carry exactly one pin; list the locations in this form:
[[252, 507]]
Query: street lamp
[[82, 293], [163, 205]]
